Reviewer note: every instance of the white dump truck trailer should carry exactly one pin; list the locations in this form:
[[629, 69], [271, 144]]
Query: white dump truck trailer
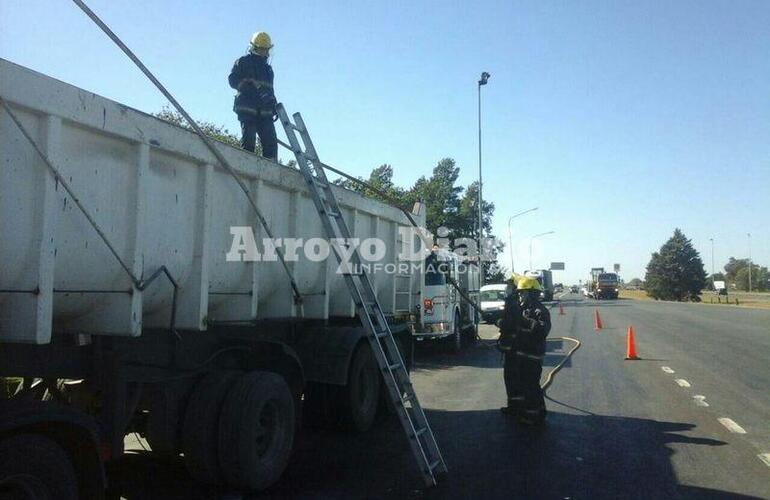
[[136, 305]]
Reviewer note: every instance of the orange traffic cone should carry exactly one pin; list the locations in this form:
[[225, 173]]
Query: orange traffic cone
[[630, 344], [597, 320], [561, 309]]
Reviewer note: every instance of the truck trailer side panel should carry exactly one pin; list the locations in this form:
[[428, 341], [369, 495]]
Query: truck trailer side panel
[[161, 200]]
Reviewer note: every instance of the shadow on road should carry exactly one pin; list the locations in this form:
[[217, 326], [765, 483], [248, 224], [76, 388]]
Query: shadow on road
[[434, 356], [431, 355], [489, 456]]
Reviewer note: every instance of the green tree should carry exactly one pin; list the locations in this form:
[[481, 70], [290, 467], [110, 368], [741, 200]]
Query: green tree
[[440, 195], [217, 132], [676, 271], [759, 278], [495, 273], [381, 179], [446, 204], [733, 266], [636, 283]]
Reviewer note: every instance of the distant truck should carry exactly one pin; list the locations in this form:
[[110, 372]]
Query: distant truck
[[545, 277], [605, 286], [445, 313], [492, 302]]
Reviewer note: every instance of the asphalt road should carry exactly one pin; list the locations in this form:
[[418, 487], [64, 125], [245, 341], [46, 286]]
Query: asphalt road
[[616, 429]]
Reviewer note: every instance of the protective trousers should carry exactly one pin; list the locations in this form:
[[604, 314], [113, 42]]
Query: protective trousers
[[512, 378], [264, 127], [530, 368]]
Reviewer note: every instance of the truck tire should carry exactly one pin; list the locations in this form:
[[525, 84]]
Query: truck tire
[[386, 407], [35, 467], [359, 399], [200, 434], [256, 431], [472, 332], [456, 339]]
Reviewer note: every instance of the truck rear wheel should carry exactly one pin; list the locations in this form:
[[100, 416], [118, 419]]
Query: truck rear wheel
[[200, 434], [456, 340], [386, 407], [358, 400], [36, 468], [256, 430]]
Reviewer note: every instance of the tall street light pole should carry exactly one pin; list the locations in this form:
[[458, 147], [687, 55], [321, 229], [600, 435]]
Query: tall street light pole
[[530, 245], [749, 235], [482, 81], [510, 236], [712, 264]]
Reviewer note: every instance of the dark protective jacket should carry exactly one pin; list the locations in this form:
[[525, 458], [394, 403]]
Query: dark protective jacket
[[252, 77], [510, 324], [535, 327]]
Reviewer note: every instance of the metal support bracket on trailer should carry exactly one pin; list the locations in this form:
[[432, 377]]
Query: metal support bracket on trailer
[[383, 344]]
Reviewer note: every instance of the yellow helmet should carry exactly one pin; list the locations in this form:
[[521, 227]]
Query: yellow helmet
[[527, 283], [261, 40]]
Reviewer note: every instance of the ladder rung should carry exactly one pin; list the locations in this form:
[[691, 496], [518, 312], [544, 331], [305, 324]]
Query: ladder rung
[[362, 291]]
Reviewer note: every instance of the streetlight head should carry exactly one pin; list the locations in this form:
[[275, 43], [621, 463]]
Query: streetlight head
[[484, 77]]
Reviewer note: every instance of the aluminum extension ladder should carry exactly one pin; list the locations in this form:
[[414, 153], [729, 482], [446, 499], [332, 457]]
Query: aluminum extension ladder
[[383, 344]]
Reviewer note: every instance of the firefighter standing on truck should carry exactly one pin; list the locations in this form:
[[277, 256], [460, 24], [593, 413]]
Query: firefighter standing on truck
[[255, 102], [524, 357]]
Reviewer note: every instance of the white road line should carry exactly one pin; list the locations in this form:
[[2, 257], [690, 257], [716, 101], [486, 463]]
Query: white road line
[[765, 457], [700, 400], [731, 425], [667, 369], [682, 382]]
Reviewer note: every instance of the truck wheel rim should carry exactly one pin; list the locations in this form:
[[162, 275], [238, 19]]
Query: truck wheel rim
[[267, 428]]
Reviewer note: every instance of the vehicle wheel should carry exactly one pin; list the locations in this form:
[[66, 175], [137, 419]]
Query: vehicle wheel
[[456, 340], [256, 430], [35, 467], [200, 434], [358, 400], [386, 407], [472, 332]]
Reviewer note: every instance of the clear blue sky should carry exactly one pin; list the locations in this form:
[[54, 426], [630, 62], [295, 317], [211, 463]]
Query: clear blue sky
[[621, 120]]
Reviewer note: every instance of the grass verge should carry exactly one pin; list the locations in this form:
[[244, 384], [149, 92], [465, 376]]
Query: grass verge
[[745, 299]]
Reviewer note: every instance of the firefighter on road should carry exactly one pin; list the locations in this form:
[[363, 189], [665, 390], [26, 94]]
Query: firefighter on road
[[255, 102], [524, 358], [510, 324]]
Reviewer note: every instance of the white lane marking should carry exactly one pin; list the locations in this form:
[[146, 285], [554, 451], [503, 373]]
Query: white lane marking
[[765, 457], [700, 400], [682, 382], [731, 425], [667, 369]]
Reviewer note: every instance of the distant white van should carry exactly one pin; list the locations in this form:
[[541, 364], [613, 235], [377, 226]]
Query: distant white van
[[492, 302]]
